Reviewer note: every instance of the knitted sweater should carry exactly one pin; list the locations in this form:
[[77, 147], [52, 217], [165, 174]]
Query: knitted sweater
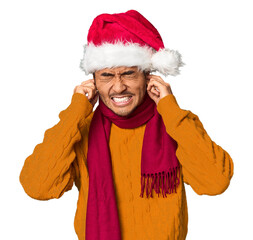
[[60, 161]]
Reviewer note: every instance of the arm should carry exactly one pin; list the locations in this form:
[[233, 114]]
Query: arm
[[52, 167], [205, 165]]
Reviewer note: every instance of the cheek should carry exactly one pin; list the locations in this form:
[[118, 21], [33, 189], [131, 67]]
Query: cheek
[[138, 85], [102, 90]]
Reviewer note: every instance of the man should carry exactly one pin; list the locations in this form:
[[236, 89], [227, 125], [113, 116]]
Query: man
[[130, 157]]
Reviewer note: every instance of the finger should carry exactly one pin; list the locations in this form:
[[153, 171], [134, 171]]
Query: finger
[[154, 84], [152, 88], [158, 79], [94, 92], [153, 95], [154, 91], [152, 75], [155, 76], [90, 85], [86, 91], [158, 85], [150, 85], [88, 81], [85, 88]]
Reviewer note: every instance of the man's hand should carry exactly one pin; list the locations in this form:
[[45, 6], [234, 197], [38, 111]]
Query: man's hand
[[157, 88], [88, 87]]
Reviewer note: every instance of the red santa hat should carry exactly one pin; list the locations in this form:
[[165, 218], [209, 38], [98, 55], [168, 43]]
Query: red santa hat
[[127, 39]]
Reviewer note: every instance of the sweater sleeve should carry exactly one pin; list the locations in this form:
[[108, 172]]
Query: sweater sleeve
[[206, 167], [51, 169]]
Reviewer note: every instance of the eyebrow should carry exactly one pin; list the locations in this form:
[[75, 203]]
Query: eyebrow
[[110, 74]]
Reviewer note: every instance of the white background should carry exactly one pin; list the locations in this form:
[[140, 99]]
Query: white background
[[40, 52]]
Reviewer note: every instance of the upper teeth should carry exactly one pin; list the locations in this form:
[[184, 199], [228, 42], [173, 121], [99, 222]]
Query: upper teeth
[[122, 99]]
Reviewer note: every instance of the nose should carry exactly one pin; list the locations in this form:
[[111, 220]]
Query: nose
[[118, 85]]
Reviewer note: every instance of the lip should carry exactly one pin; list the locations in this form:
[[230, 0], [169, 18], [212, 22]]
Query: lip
[[122, 104]]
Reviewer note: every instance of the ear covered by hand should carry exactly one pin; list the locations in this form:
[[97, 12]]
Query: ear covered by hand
[[89, 88], [157, 88]]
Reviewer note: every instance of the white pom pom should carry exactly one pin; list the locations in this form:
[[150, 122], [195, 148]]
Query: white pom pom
[[167, 61]]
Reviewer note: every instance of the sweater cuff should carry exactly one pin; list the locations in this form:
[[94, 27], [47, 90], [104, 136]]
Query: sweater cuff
[[81, 104], [170, 111], [168, 105]]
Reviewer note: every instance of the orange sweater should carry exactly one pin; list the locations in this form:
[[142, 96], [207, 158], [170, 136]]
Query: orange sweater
[[60, 160]]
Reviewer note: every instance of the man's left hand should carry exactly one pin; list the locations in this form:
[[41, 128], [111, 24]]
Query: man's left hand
[[157, 88]]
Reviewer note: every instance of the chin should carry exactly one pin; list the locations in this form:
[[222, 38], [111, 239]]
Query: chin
[[122, 112]]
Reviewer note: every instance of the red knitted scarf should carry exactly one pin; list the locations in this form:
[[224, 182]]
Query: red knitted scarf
[[159, 165]]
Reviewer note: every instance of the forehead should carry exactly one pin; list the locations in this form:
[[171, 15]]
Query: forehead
[[117, 69]]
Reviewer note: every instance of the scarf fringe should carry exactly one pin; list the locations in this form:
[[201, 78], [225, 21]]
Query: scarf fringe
[[168, 182]]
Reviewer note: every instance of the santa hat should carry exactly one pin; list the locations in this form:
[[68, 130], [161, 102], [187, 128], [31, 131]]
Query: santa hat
[[127, 39]]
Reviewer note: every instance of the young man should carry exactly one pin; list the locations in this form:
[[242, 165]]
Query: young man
[[130, 157]]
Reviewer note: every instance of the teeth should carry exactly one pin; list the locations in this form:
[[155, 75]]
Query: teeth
[[124, 99]]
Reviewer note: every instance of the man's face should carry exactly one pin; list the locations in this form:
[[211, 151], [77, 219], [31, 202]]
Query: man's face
[[121, 89]]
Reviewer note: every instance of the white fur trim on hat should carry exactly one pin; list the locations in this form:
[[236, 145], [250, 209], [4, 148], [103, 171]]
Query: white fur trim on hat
[[130, 54], [167, 62]]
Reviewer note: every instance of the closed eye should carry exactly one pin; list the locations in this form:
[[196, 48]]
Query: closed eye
[[107, 74], [128, 73]]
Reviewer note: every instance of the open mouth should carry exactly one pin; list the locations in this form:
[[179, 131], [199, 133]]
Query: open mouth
[[121, 101]]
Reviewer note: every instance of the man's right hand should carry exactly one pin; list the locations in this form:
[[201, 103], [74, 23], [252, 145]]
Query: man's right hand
[[88, 87]]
